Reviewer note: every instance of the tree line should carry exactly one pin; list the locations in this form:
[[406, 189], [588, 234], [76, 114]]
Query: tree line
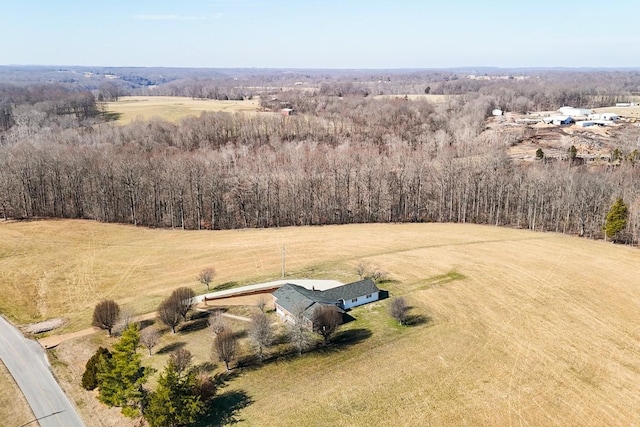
[[345, 160], [306, 183]]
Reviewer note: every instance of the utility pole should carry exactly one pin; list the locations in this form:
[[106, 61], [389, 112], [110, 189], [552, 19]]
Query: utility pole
[[283, 255]]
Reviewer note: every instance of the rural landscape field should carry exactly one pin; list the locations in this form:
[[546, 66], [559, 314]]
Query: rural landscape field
[[172, 108], [516, 327], [260, 213]]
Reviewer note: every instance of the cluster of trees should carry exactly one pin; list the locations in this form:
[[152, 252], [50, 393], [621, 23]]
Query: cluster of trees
[[308, 183], [174, 309], [183, 391], [180, 398], [29, 106], [345, 160]]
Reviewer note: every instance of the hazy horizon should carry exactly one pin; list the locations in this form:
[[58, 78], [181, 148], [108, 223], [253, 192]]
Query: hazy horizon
[[359, 34]]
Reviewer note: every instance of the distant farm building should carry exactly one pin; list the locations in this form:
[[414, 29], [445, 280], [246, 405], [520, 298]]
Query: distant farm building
[[604, 116], [558, 120], [287, 111], [497, 112], [626, 104], [574, 112]]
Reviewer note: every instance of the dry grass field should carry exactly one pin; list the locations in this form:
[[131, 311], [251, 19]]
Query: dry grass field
[[14, 410], [626, 112], [514, 327], [172, 108]]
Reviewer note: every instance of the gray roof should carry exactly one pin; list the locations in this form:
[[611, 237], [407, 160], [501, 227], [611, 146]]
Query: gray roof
[[293, 297], [351, 290]]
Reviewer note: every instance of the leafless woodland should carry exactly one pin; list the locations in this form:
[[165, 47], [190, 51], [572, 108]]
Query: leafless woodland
[[344, 158]]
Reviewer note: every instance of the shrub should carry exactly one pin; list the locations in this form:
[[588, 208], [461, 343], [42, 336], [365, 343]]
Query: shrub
[[90, 377]]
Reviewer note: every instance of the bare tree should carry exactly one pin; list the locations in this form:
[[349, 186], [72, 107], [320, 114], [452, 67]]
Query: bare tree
[[262, 303], [260, 333], [181, 359], [184, 299], [206, 276], [126, 317], [378, 275], [299, 329], [362, 268], [217, 322], [326, 320], [105, 315], [149, 338], [124, 320], [225, 346], [398, 309], [169, 312]]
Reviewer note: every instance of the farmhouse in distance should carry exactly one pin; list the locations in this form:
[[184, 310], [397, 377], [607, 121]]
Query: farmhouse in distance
[[293, 299]]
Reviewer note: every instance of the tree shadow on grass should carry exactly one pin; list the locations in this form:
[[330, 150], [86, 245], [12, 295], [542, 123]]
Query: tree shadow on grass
[[111, 116], [146, 323], [226, 285], [417, 319], [350, 337], [194, 325], [171, 347], [223, 408], [195, 315]]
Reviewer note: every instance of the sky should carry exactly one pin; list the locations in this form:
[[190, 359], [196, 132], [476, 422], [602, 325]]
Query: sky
[[349, 34]]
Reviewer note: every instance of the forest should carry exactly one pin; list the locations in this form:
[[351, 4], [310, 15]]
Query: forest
[[347, 156]]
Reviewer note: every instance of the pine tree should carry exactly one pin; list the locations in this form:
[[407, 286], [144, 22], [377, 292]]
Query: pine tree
[[616, 220], [90, 375], [121, 378], [176, 400]]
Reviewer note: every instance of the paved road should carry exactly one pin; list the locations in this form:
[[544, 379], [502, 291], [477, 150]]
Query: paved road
[[27, 362]]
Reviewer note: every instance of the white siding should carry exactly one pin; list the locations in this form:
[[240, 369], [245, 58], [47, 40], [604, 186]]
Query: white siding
[[361, 300]]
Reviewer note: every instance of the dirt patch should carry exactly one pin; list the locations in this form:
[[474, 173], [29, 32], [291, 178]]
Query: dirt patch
[[46, 326]]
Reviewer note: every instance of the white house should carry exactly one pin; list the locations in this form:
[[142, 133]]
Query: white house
[[291, 300]]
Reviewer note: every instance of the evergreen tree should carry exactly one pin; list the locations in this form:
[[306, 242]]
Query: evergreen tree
[[122, 376], [616, 220], [176, 400], [90, 375]]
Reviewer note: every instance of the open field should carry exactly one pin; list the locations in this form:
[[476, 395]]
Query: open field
[[515, 327], [172, 108], [626, 112]]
